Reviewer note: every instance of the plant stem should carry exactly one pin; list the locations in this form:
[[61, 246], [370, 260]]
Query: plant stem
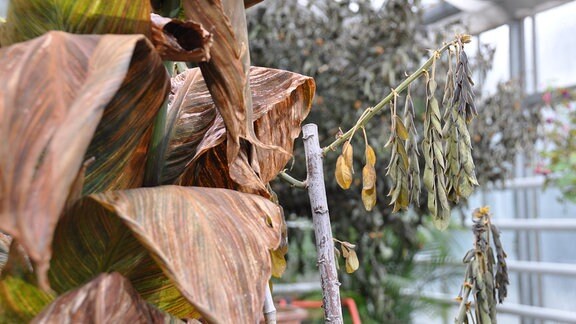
[[465, 295], [370, 112], [155, 156], [321, 222], [269, 308], [292, 181]]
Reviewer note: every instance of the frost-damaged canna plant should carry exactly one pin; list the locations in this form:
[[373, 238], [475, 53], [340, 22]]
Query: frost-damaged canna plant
[[108, 151], [135, 189]]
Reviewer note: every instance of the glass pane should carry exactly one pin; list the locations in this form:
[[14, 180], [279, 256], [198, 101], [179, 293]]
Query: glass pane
[[556, 48], [499, 38]]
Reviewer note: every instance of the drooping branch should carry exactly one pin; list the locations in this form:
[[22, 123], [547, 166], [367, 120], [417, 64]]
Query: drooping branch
[[372, 111]]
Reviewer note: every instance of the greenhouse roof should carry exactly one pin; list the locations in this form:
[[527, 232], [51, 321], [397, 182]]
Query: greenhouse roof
[[481, 15]]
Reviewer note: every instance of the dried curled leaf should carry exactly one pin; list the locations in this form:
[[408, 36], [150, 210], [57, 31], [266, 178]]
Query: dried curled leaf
[[343, 173], [348, 154], [369, 198], [370, 155], [195, 153], [368, 177], [369, 187], [352, 263], [178, 40]]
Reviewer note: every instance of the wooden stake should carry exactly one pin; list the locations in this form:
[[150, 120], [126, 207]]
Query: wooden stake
[[321, 221]]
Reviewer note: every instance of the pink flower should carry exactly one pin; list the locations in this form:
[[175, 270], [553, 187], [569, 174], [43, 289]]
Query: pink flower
[[547, 98], [541, 169]]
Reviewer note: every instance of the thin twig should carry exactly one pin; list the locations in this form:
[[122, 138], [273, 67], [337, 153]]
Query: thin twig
[[372, 111], [292, 181]]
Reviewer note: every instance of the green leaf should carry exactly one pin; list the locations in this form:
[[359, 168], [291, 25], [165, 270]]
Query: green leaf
[[54, 92], [20, 301], [108, 298], [28, 19], [184, 249]]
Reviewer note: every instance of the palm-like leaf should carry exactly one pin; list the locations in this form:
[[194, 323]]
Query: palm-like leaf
[[52, 97], [28, 19], [108, 298], [227, 77], [211, 244], [195, 153]]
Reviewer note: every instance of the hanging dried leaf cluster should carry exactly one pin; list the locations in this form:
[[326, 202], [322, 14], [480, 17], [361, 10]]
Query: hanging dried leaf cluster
[[449, 169], [487, 285], [460, 109]]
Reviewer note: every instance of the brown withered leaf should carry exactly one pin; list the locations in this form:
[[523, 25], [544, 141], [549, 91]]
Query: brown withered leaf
[[368, 177], [369, 198], [179, 40], [227, 72], [370, 155], [250, 3], [352, 263], [343, 173], [52, 97], [348, 154], [108, 298], [212, 246], [196, 150]]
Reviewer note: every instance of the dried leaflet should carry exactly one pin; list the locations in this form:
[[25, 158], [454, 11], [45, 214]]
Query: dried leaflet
[[344, 166], [414, 185], [459, 110], [369, 176], [399, 163], [349, 254], [434, 179]]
